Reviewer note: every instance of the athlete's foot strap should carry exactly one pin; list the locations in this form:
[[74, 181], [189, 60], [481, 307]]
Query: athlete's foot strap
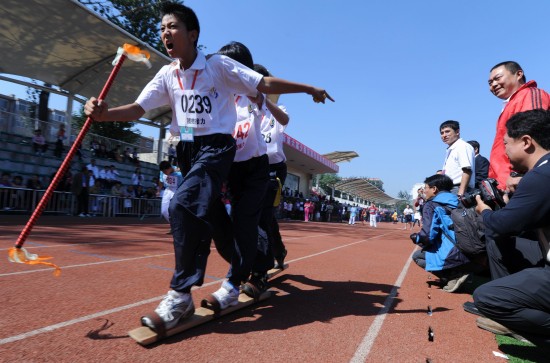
[[211, 303], [158, 323]]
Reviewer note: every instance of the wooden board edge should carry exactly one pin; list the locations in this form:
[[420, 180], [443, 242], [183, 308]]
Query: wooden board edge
[[144, 335], [276, 271]]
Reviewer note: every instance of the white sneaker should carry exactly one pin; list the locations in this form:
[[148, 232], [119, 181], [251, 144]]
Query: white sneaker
[[82, 215], [455, 283], [174, 307], [227, 295]]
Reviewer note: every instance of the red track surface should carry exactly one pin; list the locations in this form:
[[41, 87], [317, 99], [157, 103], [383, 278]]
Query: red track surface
[[350, 294]]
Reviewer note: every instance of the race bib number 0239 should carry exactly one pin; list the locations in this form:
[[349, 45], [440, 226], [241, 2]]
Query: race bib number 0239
[[194, 109]]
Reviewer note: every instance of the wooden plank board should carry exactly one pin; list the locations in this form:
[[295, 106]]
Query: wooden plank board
[[145, 336]]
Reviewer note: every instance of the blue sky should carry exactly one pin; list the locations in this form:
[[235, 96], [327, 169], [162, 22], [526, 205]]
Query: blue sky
[[397, 69]]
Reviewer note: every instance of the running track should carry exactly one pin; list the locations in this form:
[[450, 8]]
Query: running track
[[351, 294]]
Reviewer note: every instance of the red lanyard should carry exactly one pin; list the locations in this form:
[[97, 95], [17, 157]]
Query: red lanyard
[[194, 79]]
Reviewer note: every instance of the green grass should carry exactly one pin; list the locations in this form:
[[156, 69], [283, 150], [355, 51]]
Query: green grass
[[520, 352]]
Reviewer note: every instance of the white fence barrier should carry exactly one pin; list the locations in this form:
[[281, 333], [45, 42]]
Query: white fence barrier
[[21, 200]]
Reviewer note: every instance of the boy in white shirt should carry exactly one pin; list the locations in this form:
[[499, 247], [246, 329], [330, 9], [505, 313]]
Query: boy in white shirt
[[200, 92], [170, 179]]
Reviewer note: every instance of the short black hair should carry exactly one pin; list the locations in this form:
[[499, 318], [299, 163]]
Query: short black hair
[[165, 164], [262, 70], [535, 123], [185, 14], [474, 144], [239, 52], [512, 67], [455, 125], [440, 181]]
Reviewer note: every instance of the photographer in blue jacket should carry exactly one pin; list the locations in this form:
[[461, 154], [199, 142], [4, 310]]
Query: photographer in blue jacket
[[439, 254]]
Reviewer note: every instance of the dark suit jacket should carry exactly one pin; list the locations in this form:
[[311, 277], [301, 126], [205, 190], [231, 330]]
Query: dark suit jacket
[[76, 186], [482, 168]]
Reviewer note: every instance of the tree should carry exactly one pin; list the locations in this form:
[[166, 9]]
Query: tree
[[376, 182], [32, 96], [405, 198], [327, 182], [123, 131], [138, 17], [141, 19], [404, 195]]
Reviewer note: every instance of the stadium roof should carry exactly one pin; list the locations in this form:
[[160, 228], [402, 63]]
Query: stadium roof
[[358, 186], [63, 43], [365, 190], [339, 156]]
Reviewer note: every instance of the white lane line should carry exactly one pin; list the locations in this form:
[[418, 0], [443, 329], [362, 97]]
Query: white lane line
[[87, 264], [110, 261], [339, 247], [139, 303], [40, 246], [74, 321], [85, 318], [364, 348], [317, 235], [78, 244]]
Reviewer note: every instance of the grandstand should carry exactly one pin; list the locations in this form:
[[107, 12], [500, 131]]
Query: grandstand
[[18, 158]]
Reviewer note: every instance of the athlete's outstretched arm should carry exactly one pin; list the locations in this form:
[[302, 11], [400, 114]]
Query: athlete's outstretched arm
[[99, 111], [274, 85]]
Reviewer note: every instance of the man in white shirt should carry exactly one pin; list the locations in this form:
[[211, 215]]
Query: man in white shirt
[[459, 164], [102, 180], [93, 168], [408, 214], [111, 175]]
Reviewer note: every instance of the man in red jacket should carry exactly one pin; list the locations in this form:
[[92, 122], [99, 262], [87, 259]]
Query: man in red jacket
[[507, 82]]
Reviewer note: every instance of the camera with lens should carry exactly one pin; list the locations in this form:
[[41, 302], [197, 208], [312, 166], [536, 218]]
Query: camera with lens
[[489, 193]]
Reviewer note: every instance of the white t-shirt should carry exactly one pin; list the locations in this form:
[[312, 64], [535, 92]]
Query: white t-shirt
[[103, 174], [137, 179], [272, 132], [247, 132], [201, 96], [94, 169], [112, 175], [458, 156], [171, 181]]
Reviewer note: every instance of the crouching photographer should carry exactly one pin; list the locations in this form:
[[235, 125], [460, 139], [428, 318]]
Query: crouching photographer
[[440, 254], [517, 301]]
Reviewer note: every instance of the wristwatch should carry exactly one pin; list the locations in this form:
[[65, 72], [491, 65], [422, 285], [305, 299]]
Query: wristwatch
[[515, 174]]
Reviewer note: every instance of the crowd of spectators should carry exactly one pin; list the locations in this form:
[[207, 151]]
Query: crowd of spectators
[[99, 150], [325, 209], [16, 191]]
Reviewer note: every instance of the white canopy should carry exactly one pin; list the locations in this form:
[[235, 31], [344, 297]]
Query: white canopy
[[63, 43]]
